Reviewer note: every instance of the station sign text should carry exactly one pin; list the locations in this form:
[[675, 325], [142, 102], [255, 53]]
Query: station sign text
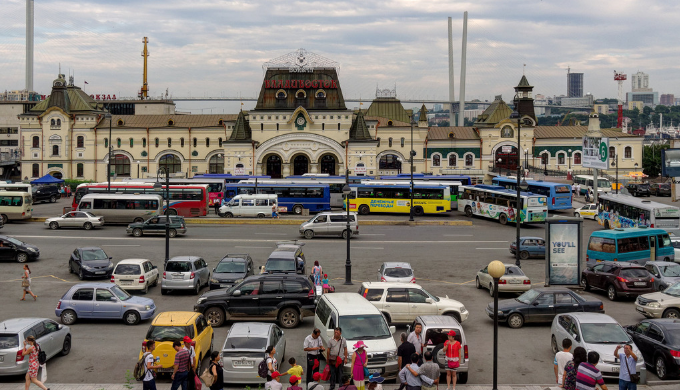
[[332, 84]]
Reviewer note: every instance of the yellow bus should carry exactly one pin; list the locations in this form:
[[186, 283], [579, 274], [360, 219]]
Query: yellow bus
[[427, 199]]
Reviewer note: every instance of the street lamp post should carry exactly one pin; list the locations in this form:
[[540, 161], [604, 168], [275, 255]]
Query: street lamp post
[[500, 168], [108, 166], [521, 186], [570, 155], [615, 163], [163, 171], [411, 154], [526, 159], [496, 269], [138, 164], [348, 263]]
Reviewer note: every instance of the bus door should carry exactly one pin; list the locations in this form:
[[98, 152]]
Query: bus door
[[652, 248]]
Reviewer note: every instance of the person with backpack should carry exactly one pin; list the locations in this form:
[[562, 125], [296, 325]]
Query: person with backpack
[[316, 383], [148, 375], [270, 361], [32, 349]]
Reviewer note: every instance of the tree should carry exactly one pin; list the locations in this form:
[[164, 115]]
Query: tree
[[651, 159]]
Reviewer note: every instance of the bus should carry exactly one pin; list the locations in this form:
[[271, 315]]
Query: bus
[[335, 184], [558, 194], [466, 180], [637, 245], [586, 182], [15, 205], [228, 178], [453, 186], [293, 198], [215, 185], [187, 200], [427, 199], [19, 187], [499, 203], [625, 211], [122, 208]]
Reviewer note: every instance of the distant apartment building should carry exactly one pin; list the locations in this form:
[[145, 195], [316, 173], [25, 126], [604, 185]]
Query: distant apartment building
[[640, 82], [649, 99], [633, 105], [438, 107], [21, 95], [574, 85], [601, 108], [667, 99]]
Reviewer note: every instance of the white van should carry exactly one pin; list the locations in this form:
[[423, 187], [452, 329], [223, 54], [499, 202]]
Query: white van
[[259, 205], [359, 320]]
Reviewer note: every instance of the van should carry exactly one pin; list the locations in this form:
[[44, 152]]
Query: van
[[244, 205], [637, 245], [359, 320], [330, 224]]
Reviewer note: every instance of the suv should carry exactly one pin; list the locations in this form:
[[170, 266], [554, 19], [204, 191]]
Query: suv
[[282, 297], [638, 189], [156, 225], [660, 189], [436, 329], [401, 303], [618, 279], [185, 273], [286, 258], [662, 304], [232, 269], [48, 193]]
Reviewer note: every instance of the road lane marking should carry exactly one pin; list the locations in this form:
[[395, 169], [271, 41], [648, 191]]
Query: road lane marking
[[120, 245], [254, 247], [457, 235], [372, 234], [444, 281], [367, 247], [494, 249], [273, 234], [35, 277]]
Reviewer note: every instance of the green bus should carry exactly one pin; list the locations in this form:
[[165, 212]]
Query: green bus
[[452, 185]]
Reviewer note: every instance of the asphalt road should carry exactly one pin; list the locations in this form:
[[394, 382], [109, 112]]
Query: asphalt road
[[445, 259]]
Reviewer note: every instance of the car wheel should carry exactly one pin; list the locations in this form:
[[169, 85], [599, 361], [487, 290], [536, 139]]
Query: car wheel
[[53, 199], [503, 219], [611, 292], [515, 321], [671, 313], [138, 220], [54, 225], [137, 232], [87, 226], [5, 219], [289, 318], [553, 344], [468, 211], [345, 234], [584, 283], [297, 209], [606, 225], [455, 316], [228, 215], [523, 255], [491, 289], [660, 366], [68, 317], [215, 316], [131, 318], [666, 259], [260, 215], [145, 289], [418, 211], [577, 215], [197, 288], [66, 347], [164, 291], [81, 275], [309, 234], [172, 233], [221, 214], [477, 283], [22, 257], [364, 210]]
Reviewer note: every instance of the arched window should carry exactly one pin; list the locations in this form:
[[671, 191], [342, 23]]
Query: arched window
[[323, 126], [156, 141], [80, 170], [389, 161], [390, 142], [378, 139], [338, 127], [207, 142], [181, 142], [58, 122], [106, 142], [612, 152], [628, 152], [577, 158], [507, 132], [452, 160], [144, 142], [171, 163], [403, 140], [560, 158], [53, 122], [132, 143], [169, 142], [261, 126], [35, 170], [277, 127], [219, 140], [544, 158], [216, 164], [55, 150], [195, 141], [36, 141], [118, 142], [80, 142], [436, 160], [120, 165], [469, 159]]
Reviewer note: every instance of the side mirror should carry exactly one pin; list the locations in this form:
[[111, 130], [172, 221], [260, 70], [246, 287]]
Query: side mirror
[[535, 303], [576, 337], [110, 257], [236, 293], [393, 329], [213, 269], [113, 299], [154, 267], [408, 329], [60, 326]]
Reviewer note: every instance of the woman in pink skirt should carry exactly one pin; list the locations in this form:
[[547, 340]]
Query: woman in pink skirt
[[31, 349]]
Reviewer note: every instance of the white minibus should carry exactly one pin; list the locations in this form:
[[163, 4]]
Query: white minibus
[[15, 205], [122, 208], [244, 205]]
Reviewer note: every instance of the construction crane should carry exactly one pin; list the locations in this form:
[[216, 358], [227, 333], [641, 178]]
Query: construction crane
[[144, 93], [620, 77], [559, 121]]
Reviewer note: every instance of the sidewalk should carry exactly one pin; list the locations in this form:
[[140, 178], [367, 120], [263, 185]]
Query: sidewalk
[[164, 386]]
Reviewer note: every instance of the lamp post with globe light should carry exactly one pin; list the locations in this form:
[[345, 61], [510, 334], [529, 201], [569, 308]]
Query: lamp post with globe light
[[496, 269], [158, 186], [346, 190]]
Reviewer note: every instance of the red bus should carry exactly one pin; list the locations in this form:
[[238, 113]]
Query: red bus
[[187, 200]]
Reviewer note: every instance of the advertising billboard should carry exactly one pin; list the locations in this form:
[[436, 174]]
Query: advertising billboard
[[595, 152], [670, 162], [563, 256]]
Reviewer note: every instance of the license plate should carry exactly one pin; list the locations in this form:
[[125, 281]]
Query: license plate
[[615, 369], [126, 282], [178, 277], [100, 273], [242, 363], [224, 285], [165, 369], [640, 283], [515, 281], [640, 310]]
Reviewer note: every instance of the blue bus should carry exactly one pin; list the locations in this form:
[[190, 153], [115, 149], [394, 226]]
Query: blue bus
[[465, 180], [637, 245], [228, 178], [558, 194], [292, 198]]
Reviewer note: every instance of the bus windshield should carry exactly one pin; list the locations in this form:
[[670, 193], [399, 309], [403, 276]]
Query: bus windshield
[[364, 327]]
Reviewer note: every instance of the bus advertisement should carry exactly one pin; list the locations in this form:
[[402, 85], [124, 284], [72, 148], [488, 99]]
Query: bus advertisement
[[215, 186], [453, 186], [427, 199], [558, 194], [499, 203], [625, 211], [466, 180], [292, 198]]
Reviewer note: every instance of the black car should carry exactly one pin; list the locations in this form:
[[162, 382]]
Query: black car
[[156, 225], [659, 343], [638, 189], [13, 249], [288, 257], [90, 262], [660, 189], [47, 193], [230, 270], [542, 305], [286, 298]]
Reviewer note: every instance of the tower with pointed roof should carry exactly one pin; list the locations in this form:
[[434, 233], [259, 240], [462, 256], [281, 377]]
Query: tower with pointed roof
[[422, 117], [524, 101]]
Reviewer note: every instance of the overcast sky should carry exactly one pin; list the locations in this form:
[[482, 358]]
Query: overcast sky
[[217, 48]]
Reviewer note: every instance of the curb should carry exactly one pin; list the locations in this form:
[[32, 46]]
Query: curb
[[257, 221]]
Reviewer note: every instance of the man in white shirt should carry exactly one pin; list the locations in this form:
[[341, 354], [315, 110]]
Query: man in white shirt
[[149, 381], [561, 359], [313, 345], [416, 338]]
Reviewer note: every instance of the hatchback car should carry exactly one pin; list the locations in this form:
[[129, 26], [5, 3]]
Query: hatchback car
[[588, 211], [156, 225], [514, 280], [185, 273], [53, 338], [660, 189], [288, 257], [104, 301], [135, 274], [396, 272], [244, 349], [79, 219], [618, 279], [594, 332], [638, 189], [662, 304], [529, 247], [90, 262], [232, 269], [13, 249], [659, 343], [665, 273]]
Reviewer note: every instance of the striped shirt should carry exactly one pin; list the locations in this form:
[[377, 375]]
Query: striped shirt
[[587, 377], [182, 360]]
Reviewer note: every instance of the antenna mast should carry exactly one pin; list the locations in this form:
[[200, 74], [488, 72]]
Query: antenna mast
[[620, 77], [144, 93]]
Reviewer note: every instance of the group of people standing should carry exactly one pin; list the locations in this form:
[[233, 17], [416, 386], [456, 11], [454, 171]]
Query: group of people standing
[[65, 191], [418, 373]]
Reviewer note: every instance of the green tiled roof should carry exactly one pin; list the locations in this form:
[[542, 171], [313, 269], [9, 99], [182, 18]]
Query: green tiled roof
[[524, 82], [359, 130], [70, 99], [242, 131], [495, 113], [389, 108]]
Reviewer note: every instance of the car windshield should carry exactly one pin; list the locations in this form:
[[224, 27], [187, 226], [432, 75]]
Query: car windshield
[[14, 241], [673, 290], [231, 267], [364, 327], [178, 266], [246, 343], [634, 273], [280, 265], [434, 298], [166, 333], [528, 296], [670, 270], [604, 334], [516, 271], [665, 186], [94, 254], [398, 272], [8, 341], [127, 269], [121, 294]]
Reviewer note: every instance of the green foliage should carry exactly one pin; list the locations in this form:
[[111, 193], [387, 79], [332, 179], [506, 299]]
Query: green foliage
[[651, 159], [74, 183], [129, 380]]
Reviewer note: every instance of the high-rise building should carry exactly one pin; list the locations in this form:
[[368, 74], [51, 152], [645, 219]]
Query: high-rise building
[[640, 82], [667, 99], [574, 84]]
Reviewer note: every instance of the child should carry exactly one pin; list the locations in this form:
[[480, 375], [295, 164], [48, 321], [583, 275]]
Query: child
[[325, 283], [295, 371], [294, 381], [275, 210]]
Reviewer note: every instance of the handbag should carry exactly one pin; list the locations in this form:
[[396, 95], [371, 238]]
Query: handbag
[[338, 359], [635, 378], [366, 372], [207, 377], [326, 374], [25, 283], [197, 382]]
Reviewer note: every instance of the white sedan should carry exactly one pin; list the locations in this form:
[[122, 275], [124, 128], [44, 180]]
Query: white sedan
[[588, 211], [83, 219], [514, 280]]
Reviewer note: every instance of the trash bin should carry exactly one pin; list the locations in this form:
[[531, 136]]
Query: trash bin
[[66, 210], [305, 212]]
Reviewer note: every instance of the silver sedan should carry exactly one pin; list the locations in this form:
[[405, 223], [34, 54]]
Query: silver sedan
[[83, 219], [514, 280], [53, 338]]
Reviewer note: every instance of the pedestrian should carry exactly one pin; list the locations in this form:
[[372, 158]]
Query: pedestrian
[[313, 345], [191, 376], [375, 381], [295, 369], [149, 380], [317, 271], [275, 211], [588, 376], [627, 368], [561, 359], [452, 352], [294, 381], [429, 369], [26, 284], [32, 349], [404, 351], [359, 366], [346, 385], [68, 191], [180, 372], [336, 357], [217, 371], [326, 283], [62, 192], [413, 382], [217, 205], [272, 364], [578, 189], [416, 338], [316, 383], [570, 369], [273, 381]]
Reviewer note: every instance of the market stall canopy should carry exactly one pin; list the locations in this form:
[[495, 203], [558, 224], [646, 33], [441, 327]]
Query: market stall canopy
[[47, 179]]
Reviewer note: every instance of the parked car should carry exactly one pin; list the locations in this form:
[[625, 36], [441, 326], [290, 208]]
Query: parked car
[[244, 348], [103, 301], [232, 269], [662, 304], [529, 247], [135, 274], [156, 225], [288, 257], [435, 331], [514, 280], [638, 189], [617, 279], [675, 242], [90, 262], [249, 205], [285, 298], [45, 193], [660, 189], [401, 303], [13, 249], [659, 343], [53, 338], [330, 223], [541, 305], [594, 332], [80, 219], [185, 273], [665, 273], [588, 211], [396, 272], [170, 326]]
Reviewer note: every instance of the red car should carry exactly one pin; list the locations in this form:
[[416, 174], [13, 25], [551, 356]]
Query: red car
[[618, 279]]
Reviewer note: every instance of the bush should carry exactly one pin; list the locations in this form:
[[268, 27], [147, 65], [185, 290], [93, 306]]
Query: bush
[[74, 183]]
